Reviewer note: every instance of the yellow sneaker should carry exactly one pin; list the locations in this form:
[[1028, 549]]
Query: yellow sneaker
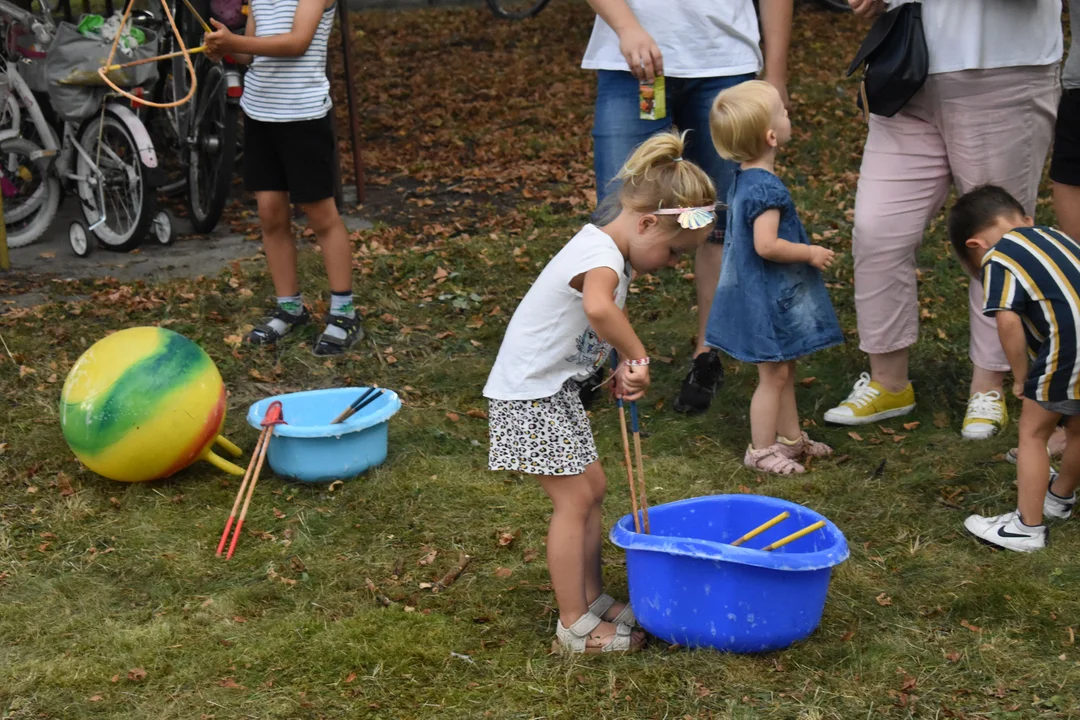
[[869, 402], [986, 415]]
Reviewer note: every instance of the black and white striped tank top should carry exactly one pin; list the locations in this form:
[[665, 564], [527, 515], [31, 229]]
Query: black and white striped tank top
[[280, 89]]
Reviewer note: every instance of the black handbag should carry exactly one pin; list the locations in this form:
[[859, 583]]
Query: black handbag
[[896, 60]]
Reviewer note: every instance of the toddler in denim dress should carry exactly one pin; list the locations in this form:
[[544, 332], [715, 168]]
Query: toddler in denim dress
[[771, 305]]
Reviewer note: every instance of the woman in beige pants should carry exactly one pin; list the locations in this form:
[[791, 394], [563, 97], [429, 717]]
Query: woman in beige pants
[[985, 115]]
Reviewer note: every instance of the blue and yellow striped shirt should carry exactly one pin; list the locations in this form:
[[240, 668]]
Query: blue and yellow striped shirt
[[1035, 272]]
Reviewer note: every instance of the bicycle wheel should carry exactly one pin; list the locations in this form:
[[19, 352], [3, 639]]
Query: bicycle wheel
[[516, 9], [212, 152], [118, 188], [31, 195]]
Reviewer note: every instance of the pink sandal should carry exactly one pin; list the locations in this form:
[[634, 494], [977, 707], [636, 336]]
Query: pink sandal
[[803, 447], [773, 459]]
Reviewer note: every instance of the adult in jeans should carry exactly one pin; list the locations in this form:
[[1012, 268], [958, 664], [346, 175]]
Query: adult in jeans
[[985, 115], [700, 47]]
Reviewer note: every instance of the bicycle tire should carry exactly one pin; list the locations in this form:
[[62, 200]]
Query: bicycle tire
[[496, 7], [212, 156], [131, 233], [22, 231]]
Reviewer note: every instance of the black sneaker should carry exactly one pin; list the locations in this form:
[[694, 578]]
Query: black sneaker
[[706, 376], [590, 388]]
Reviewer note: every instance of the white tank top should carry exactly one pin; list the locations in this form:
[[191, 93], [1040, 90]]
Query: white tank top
[[287, 89]]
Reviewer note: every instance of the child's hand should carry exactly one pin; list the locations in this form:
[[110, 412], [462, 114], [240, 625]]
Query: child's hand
[[1018, 388], [821, 257], [219, 42], [631, 381]]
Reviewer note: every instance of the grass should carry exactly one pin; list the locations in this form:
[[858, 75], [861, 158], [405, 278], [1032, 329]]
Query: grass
[[113, 605]]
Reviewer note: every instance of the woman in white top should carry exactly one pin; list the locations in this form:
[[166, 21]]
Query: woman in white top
[[985, 115], [700, 47]]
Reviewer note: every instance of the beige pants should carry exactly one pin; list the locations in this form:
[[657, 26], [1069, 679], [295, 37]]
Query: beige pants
[[966, 128]]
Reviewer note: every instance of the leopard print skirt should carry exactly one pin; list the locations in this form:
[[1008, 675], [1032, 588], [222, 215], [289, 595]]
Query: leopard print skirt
[[549, 436]]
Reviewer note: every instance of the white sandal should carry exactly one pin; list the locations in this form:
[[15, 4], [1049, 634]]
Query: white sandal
[[625, 617], [575, 638]]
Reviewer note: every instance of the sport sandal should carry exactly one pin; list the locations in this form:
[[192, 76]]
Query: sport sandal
[[771, 460], [266, 334], [574, 639], [331, 344], [603, 603], [804, 447]]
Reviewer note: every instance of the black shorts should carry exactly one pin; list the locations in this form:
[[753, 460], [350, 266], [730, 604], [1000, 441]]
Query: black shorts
[[294, 157], [1065, 162]]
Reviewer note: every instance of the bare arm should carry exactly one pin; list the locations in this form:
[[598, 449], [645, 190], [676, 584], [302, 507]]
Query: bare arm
[[290, 44], [610, 323], [769, 245], [776, 36], [1011, 333], [249, 31], [638, 48]]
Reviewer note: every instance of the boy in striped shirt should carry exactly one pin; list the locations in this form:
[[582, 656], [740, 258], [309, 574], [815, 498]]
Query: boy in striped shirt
[[1031, 285]]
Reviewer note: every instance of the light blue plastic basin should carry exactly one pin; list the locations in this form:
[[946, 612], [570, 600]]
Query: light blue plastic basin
[[309, 449], [689, 586]]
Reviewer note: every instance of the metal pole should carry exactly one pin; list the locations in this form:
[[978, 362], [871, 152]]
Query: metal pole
[[350, 93], [339, 195], [5, 261]]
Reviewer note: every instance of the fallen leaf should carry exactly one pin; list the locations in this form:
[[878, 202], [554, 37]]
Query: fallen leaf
[[115, 678], [207, 602], [953, 657], [351, 677], [855, 436], [846, 637], [887, 431], [427, 559], [530, 555], [95, 698], [47, 255], [115, 502], [808, 381], [278, 514], [909, 683], [883, 600], [231, 684], [24, 371], [898, 438], [911, 425], [941, 334], [136, 674], [239, 619], [505, 539], [445, 334], [478, 414], [233, 340], [941, 420], [440, 274], [503, 572], [453, 416], [969, 626]]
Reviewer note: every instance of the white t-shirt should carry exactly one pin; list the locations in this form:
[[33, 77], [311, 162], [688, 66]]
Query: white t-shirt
[[549, 339], [989, 34], [698, 38]]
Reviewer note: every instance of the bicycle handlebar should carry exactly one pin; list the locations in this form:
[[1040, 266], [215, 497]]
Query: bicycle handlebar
[[41, 28]]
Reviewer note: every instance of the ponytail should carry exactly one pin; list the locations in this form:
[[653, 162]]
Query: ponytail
[[657, 177]]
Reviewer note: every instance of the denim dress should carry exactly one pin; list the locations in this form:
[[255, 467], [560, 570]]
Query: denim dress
[[766, 311]]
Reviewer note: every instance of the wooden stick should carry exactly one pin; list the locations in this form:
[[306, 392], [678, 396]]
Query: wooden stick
[[198, 17], [762, 528], [358, 406], [250, 492], [451, 577], [143, 61], [795, 535], [347, 412], [629, 465], [240, 492], [640, 467]]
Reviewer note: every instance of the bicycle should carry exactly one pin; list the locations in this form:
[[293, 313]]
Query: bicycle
[[205, 130], [522, 9], [103, 151]]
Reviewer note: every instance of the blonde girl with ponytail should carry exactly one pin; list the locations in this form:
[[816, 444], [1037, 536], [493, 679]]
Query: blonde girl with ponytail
[[560, 334]]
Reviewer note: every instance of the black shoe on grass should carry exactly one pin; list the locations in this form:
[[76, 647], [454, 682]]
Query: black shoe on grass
[[706, 376]]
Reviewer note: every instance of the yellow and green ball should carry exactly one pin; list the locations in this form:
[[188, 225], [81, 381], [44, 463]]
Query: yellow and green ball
[[142, 404]]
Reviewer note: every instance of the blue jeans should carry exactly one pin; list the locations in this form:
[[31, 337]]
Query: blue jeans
[[618, 128]]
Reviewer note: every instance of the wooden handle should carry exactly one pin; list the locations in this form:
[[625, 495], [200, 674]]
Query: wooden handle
[[795, 535], [762, 528]]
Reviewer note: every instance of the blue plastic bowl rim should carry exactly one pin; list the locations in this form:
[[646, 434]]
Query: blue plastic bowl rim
[[363, 420], [623, 535]]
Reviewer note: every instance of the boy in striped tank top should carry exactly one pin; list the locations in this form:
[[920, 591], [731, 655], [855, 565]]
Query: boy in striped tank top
[[289, 157], [1031, 286]]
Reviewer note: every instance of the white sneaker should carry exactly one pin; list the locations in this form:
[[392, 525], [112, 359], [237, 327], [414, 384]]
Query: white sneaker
[[1056, 507], [1006, 531], [986, 415]]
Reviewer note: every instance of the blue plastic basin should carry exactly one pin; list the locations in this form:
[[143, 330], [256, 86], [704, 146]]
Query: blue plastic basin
[[688, 586], [309, 449]]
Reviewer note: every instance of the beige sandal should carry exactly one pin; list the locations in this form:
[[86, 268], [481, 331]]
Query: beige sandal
[[574, 639], [601, 605], [772, 459], [803, 447]]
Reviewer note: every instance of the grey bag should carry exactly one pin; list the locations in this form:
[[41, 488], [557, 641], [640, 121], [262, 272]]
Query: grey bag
[[71, 66]]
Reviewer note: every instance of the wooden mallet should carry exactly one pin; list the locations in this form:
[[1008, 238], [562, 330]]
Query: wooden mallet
[[626, 449], [368, 397], [272, 417]]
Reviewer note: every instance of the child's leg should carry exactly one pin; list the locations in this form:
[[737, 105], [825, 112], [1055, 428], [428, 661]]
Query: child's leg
[[1069, 477], [278, 241], [343, 327], [567, 538], [594, 532], [766, 403], [787, 417], [1032, 462]]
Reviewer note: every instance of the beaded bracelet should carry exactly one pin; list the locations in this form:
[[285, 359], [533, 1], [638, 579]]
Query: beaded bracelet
[[637, 363]]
